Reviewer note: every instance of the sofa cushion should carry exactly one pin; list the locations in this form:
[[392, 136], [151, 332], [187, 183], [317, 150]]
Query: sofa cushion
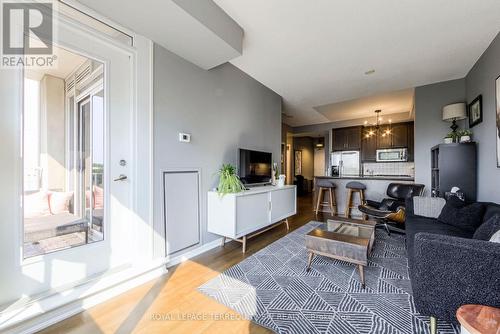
[[491, 210], [36, 205], [59, 202], [418, 224], [488, 228], [428, 206], [459, 214]]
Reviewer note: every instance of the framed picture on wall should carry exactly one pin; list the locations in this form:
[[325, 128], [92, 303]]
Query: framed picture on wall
[[497, 109], [298, 162], [476, 111]]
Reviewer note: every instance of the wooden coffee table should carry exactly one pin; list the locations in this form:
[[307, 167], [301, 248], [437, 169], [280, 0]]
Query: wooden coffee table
[[344, 239]]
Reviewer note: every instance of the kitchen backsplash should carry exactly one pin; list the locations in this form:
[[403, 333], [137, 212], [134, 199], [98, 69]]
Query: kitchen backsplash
[[389, 168]]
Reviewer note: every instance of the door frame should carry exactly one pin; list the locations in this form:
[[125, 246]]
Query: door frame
[[50, 306], [85, 32]]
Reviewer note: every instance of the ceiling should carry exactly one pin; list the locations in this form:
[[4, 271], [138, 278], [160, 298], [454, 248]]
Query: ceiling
[[198, 31], [315, 53], [395, 102], [67, 62]]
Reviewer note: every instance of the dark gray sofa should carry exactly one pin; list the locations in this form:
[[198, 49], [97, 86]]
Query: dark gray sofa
[[448, 268]]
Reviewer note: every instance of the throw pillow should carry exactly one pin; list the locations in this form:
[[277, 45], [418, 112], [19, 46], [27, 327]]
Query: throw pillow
[[36, 205], [488, 228], [495, 237], [430, 207], [98, 198], [60, 201], [459, 214]]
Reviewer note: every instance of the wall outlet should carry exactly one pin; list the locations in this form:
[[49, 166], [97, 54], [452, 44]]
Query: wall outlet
[[184, 137]]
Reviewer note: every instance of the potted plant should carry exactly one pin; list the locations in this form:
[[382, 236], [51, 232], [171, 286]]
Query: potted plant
[[465, 136], [449, 138], [229, 182]]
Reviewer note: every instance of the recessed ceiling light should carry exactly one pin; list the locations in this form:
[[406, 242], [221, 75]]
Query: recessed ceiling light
[[370, 72]]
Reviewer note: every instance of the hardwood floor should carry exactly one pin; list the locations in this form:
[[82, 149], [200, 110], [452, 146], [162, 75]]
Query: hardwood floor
[[168, 304]]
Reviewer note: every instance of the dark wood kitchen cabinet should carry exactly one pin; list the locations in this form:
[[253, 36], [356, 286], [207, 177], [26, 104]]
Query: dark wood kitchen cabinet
[[369, 148], [339, 139], [345, 139], [383, 140], [399, 135], [411, 142]]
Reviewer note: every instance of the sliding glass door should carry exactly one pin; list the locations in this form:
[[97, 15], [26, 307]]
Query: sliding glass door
[[90, 159]]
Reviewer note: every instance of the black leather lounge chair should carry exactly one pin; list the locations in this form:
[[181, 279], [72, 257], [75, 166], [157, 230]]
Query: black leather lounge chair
[[390, 212]]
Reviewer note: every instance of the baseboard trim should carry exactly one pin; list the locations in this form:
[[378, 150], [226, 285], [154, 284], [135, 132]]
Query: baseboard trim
[[194, 252]]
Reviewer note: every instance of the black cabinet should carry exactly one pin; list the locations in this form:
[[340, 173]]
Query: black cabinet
[[454, 165], [345, 139]]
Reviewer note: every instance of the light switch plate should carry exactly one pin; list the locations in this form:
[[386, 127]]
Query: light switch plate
[[184, 137]]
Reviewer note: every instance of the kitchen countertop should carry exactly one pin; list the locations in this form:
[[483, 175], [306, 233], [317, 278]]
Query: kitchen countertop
[[368, 177]]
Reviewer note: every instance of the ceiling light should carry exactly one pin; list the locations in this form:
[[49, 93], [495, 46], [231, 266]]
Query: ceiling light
[[377, 126], [370, 72]]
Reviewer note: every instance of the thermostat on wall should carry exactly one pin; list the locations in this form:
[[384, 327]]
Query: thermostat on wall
[[184, 137]]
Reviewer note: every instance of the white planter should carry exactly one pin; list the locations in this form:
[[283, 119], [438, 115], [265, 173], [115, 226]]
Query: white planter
[[465, 139], [448, 140]]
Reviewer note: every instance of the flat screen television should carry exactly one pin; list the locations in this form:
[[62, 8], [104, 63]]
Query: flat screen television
[[254, 167]]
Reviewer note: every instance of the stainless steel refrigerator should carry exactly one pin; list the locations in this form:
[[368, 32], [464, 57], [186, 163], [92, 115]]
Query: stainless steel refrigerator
[[345, 163]]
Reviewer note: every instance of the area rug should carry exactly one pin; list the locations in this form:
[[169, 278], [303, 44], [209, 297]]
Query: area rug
[[273, 289]]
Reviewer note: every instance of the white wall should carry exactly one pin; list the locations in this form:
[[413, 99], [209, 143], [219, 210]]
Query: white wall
[[52, 133]]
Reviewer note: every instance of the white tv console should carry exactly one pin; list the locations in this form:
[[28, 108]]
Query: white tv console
[[238, 216]]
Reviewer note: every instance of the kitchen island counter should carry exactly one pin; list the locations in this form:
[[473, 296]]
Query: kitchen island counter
[[376, 188], [370, 177]]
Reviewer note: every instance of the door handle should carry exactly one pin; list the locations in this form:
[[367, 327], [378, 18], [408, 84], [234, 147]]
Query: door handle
[[121, 178]]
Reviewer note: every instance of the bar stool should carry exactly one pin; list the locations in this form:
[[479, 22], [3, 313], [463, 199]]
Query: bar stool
[[326, 185], [352, 188]]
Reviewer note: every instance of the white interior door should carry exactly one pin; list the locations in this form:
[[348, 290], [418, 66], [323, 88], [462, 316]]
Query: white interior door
[[105, 116], [112, 103], [319, 162]]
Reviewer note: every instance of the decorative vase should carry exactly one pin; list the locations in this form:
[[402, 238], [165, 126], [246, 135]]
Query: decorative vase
[[465, 139], [281, 180], [448, 140]]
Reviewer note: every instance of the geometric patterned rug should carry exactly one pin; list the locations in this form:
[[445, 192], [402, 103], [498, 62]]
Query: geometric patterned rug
[[273, 289]]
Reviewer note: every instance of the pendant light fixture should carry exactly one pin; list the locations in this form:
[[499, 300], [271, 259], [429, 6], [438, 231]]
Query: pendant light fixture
[[376, 128]]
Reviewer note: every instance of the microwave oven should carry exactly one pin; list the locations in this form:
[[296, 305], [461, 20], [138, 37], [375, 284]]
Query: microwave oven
[[392, 155]]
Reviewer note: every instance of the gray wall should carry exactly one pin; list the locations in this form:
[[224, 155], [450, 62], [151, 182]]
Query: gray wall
[[429, 126], [304, 144], [481, 80], [223, 109]]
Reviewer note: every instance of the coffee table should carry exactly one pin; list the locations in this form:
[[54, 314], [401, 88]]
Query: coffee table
[[344, 239]]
